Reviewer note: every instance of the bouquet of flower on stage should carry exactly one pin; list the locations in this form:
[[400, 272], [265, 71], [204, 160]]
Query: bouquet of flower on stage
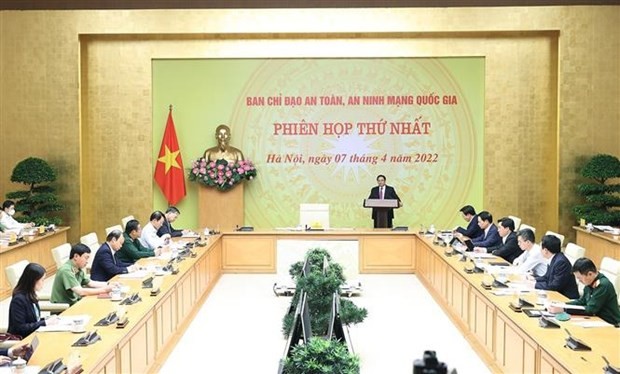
[[221, 174]]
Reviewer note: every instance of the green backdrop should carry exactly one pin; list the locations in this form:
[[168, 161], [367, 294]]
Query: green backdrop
[[321, 130]]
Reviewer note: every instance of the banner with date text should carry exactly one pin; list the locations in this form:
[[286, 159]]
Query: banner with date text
[[321, 130]]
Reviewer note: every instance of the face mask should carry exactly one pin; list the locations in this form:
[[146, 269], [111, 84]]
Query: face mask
[[11, 212]]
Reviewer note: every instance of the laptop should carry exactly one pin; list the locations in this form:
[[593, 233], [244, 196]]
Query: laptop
[[33, 347], [458, 245]]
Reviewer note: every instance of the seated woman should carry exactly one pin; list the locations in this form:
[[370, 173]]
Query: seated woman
[[24, 312]]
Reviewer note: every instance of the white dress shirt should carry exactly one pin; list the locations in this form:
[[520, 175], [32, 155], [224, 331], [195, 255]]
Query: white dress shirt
[[9, 222], [149, 237], [531, 260]]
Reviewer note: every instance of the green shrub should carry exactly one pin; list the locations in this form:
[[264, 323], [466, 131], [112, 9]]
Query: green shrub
[[37, 202], [602, 200], [322, 356], [320, 290]]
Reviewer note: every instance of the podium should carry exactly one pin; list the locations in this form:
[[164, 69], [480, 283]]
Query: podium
[[223, 210], [381, 206]]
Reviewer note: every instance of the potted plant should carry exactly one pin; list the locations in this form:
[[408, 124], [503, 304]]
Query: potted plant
[[320, 356], [320, 287], [601, 197], [39, 200]]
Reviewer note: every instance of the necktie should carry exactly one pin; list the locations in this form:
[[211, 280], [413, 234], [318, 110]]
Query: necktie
[[381, 193]]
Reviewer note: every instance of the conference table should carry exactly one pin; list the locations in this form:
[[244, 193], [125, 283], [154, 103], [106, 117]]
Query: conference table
[[506, 340], [512, 341], [154, 324]]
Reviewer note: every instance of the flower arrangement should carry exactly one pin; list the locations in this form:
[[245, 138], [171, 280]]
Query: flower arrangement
[[221, 174]]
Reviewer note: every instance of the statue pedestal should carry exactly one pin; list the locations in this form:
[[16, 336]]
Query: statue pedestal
[[220, 209]]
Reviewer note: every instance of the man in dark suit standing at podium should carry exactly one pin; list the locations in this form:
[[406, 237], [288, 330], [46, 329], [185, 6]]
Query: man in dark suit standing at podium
[[383, 192]]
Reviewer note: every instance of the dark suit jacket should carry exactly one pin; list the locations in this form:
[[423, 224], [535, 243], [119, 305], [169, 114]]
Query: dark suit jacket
[[4, 352], [390, 193], [22, 317], [166, 228], [105, 266], [473, 230], [491, 239], [559, 277], [509, 250]]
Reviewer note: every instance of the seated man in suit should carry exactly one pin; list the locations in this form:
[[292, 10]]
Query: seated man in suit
[[132, 250], [172, 213], [531, 260], [559, 276], [489, 236], [508, 249], [105, 265], [71, 282], [149, 238], [383, 191], [599, 296], [473, 229]]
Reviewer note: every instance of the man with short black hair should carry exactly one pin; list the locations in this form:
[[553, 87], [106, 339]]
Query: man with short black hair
[[71, 282], [473, 230], [508, 249], [383, 191], [132, 250], [558, 276], [531, 260], [489, 236], [172, 213], [599, 296], [106, 265]]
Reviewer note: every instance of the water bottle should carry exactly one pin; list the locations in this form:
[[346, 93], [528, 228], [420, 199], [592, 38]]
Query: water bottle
[[18, 366]]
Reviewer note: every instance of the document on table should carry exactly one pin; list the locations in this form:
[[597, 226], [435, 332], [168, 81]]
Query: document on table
[[480, 255], [590, 324], [190, 235], [567, 306], [135, 275], [66, 323], [505, 292], [521, 286], [30, 369], [603, 227]]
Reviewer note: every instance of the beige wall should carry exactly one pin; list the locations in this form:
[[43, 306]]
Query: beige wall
[[75, 89]]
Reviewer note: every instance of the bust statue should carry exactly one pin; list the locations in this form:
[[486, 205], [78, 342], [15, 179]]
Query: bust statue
[[223, 150]]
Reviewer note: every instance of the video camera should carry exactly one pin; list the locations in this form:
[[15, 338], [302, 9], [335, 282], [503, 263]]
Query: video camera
[[430, 365]]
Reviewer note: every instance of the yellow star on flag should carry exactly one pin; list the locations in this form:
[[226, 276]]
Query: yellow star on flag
[[169, 159]]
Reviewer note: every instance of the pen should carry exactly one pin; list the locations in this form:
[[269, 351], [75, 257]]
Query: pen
[[583, 358]]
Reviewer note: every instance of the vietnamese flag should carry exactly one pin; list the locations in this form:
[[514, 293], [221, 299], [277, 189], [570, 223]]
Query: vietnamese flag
[[169, 173]]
